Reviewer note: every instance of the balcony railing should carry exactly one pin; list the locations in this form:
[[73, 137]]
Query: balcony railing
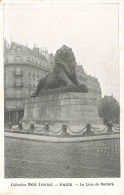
[[29, 62], [16, 96], [18, 73], [18, 84]]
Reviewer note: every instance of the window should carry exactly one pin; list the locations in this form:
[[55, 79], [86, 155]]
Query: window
[[18, 69], [18, 59], [37, 73], [18, 49], [34, 73], [28, 59], [18, 93]]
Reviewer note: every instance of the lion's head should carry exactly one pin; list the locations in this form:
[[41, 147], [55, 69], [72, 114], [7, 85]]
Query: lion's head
[[66, 54]]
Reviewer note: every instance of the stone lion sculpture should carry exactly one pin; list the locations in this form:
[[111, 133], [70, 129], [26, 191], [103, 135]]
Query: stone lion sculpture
[[63, 74]]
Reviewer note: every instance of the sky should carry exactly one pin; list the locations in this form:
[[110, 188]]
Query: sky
[[91, 30]]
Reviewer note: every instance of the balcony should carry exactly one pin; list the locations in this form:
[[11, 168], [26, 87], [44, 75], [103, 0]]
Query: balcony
[[16, 96], [18, 73], [18, 85]]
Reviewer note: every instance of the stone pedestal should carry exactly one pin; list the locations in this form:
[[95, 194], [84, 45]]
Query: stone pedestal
[[69, 108]]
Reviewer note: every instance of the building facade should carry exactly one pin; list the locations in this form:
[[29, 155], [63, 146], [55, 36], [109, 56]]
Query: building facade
[[91, 83], [23, 67]]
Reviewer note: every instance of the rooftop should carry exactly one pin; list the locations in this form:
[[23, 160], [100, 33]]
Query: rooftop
[[26, 50]]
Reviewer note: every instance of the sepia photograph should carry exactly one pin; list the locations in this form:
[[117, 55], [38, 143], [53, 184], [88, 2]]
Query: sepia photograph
[[61, 91]]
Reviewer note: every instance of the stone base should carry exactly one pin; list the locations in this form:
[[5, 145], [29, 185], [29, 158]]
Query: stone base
[[69, 108]]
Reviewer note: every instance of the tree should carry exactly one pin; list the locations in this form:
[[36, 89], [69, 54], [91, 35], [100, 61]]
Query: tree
[[109, 109]]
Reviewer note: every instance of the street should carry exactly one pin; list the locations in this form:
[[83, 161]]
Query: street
[[90, 159]]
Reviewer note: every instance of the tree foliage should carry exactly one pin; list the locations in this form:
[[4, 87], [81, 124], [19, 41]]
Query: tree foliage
[[109, 109]]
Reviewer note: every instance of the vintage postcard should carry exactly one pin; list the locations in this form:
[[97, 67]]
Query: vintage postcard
[[61, 97]]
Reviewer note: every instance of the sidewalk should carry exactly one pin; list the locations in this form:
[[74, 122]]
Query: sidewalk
[[44, 138]]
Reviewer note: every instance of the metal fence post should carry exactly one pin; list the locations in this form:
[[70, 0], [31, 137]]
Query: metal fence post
[[88, 131], [64, 129], [46, 127], [32, 128]]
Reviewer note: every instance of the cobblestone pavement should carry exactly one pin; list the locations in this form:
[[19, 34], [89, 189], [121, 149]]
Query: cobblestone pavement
[[32, 159]]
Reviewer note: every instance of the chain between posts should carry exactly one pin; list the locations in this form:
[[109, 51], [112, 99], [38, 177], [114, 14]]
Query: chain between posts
[[100, 130], [15, 129], [55, 132], [41, 129], [118, 130], [26, 129], [76, 132], [46, 127]]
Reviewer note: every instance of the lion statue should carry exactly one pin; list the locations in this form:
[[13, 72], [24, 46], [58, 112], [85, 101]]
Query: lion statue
[[63, 74]]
